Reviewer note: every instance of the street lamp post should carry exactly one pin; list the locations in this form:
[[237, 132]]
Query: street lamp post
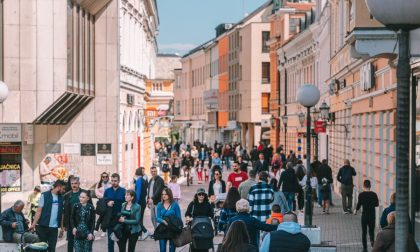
[[401, 16], [308, 96], [315, 113], [4, 92], [284, 119]]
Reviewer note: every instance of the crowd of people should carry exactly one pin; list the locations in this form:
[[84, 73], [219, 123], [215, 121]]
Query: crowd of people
[[255, 209]]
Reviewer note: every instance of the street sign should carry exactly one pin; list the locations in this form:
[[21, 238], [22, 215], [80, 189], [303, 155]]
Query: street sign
[[320, 127]]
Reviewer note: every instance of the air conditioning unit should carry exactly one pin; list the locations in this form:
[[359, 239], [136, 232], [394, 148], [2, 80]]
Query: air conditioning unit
[[130, 99]]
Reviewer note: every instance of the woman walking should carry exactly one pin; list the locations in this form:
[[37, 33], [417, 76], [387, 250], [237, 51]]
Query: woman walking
[[102, 185], [216, 186], [165, 208], [237, 239], [82, 223], [130, 218], [229, 208]]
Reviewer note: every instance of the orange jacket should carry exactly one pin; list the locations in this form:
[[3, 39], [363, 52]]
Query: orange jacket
[[277, 216]]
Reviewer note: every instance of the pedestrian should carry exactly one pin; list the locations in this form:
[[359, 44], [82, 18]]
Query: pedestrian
[[115, 197], [236, 177], [32, 203], [300, 174], [276, 165], [202, 155], [156, 185], [140, 187], [175, 188], [176, 165], [288, 237], [216, 186], [261, 164], [199, 207], [314, 185], [206, 173], [345, 177], [385, 240], [260, 197], [216, 159], [166, 170], [390, 208], [323, 171], [289, 182], [229, 209], [14, 225], [368, 200], [187, 163], [102, 185], [82, 223], [194, 153], [165, 208], [254, 155], [237, 239], [48, 216], [70, 199], [253, 225], [227, 156], [242, 165], [276, 217], [199, 170], [246, 185], [279, 198], [130, 219]]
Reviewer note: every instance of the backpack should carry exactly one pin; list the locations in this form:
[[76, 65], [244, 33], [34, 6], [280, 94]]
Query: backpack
[[165, 168]]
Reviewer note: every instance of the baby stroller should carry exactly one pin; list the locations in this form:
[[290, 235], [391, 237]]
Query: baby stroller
[[202, 233], [34, 247]]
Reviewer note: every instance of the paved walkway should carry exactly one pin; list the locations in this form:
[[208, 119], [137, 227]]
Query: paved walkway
[[344, 230]]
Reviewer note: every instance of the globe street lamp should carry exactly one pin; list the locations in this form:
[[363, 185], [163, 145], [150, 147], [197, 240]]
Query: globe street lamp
[[401, 16], [308, 96]]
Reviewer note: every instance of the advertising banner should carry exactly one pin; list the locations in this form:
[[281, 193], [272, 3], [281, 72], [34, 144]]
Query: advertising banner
[[10, 166], [104, 154]]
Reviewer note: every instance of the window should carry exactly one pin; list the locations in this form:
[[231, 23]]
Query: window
[[265, 103], [80, 50], [265, 38], [265, 74]]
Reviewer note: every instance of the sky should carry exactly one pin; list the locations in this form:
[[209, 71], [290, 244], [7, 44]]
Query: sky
[[185, 24]]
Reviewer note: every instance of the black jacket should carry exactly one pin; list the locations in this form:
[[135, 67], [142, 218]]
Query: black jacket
[[211, 191], [76, 219], [242, 247], [345, 175], [157, 189], [289, 181], [6, 220], [261, 167], [67, 207], [105, 215], [196, 209], [324, 171]]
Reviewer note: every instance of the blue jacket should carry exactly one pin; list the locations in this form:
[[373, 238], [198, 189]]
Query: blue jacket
[[291, 239], [385, 213], [6, 220], [162, 212], [118, 196], [253, 225]]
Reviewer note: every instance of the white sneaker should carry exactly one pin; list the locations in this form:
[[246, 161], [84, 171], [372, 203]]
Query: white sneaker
[[144, 236], [103, 234]]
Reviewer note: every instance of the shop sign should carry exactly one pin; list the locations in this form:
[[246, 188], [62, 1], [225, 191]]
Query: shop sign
[[10, 166], [71, 148], [210, 97], [10, 133], [104, 154], [320, 127]]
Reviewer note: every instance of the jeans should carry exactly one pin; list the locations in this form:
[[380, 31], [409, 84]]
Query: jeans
[[227, 161], [110, 241], [70, 240], [347, 197], [48, 235], [132, 240], [368, 221], [27, 237], [290, 197], [162, 246], [318, 189], [153, 215]]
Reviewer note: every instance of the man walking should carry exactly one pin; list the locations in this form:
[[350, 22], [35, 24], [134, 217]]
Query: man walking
[[261, 164], [260, 197], [345, 177], [141, 195], [236, 177], [114, 197], [49, 214], [156, 185], [290, 184], [368, 200], [70, 199], [244, 187]]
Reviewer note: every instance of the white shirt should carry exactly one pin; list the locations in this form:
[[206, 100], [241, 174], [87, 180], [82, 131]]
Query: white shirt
[[217, 188]]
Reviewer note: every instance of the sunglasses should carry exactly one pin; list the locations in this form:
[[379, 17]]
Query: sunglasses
[[201, 194], [104, 176], [217, 174]]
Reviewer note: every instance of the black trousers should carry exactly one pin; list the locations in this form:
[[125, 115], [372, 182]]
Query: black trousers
[[132, 240], [48, 235], [300, 199], [368, 221], [143, 229]]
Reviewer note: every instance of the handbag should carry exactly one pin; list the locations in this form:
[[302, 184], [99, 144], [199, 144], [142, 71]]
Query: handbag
[[82, 232], [183, 238]]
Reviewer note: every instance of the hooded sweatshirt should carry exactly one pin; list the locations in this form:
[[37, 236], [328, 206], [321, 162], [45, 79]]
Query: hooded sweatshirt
[[295, 238]]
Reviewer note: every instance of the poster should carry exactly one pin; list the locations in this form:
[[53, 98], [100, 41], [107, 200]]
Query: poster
[[104, 154], [87, 149], [59, 166], [10, 166], [52, 148]]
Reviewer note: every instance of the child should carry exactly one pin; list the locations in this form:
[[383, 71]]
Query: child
[[199, 170], [276, 216], [369, 200], [175, 188], [206, 173], [325, 192]]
